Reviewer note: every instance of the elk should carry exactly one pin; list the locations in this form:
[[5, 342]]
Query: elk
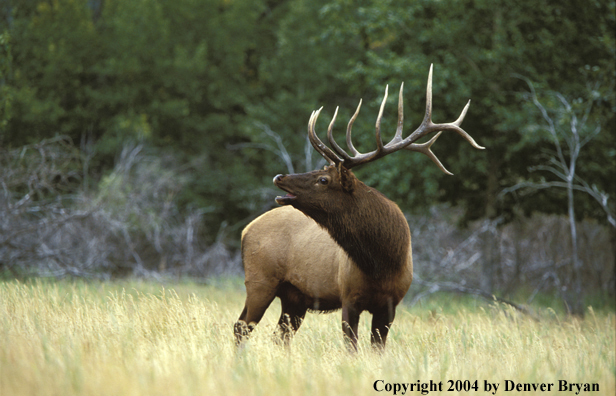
[[335, 242]]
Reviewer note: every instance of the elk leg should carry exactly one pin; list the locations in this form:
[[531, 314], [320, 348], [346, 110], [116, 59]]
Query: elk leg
[[241, 329], [257, 302], [381, 323], [290, 319], [350, 322]]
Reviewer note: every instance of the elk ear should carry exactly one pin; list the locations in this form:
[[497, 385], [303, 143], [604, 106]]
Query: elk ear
[[347, 179]]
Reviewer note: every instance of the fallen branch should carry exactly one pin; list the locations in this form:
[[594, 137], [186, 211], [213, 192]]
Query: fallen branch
[[434, 287]]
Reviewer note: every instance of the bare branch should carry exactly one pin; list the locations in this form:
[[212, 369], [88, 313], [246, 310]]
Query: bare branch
[[434, 287], [563, 169], [280, 151]]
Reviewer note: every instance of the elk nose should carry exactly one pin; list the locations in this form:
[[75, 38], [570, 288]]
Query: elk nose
[[277, 178]]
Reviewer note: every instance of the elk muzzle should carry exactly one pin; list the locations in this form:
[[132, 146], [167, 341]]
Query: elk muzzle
[[283, 200]]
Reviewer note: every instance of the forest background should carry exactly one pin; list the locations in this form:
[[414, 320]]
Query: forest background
[[139, 137]]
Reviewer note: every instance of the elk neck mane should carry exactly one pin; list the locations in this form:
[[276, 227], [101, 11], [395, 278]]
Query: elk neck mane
[[371, 229]]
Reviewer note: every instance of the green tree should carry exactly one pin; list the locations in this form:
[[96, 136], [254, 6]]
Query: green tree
[[200, 78], [477, 47], [177, 74]]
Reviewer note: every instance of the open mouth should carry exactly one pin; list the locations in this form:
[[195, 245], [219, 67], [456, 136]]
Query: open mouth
[[285, 200]]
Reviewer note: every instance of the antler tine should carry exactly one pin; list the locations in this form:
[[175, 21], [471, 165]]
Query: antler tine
[[428, 115], [427, 120], [379, 141], [427, 126], [462, 132], [348, 132], [330, 137], [424, 148], [311, 132], [318, 145], [400, 115]]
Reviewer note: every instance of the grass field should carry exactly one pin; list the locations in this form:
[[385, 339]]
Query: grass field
[[138, 338]]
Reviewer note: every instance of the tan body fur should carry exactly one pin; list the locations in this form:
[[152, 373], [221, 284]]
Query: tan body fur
[[301, 253]]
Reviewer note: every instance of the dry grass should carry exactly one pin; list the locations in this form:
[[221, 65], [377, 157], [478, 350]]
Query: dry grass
[[141, 339]]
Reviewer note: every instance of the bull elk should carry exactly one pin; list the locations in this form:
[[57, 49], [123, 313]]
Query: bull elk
[[335, 242]]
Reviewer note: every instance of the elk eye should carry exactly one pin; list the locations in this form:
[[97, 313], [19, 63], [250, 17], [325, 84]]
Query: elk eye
[[323, 180]]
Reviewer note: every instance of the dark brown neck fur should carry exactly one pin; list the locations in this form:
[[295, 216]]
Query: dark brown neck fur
[[372, 231]]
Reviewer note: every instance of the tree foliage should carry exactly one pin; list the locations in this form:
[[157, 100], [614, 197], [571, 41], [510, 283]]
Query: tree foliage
[[203, 79]]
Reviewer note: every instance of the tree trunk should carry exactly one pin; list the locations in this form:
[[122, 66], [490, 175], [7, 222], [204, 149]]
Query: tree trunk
[[490, 241], [611, 285], [490, 254], [575, 297]]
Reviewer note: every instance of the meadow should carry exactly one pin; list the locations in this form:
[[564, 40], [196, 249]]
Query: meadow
[[143, 338]]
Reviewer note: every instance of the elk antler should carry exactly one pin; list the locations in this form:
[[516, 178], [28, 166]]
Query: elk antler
[[339, 156]]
